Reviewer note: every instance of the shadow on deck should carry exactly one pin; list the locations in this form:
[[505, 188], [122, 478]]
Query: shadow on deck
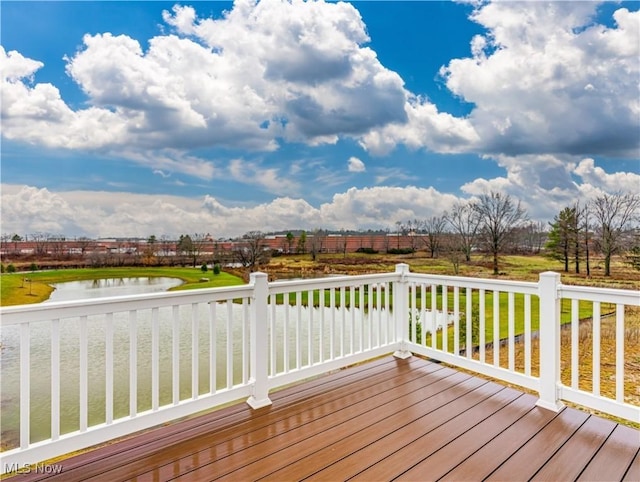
[[387, 419]]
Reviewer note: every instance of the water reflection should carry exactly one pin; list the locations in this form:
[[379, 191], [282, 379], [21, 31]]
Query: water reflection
[[99, 288]]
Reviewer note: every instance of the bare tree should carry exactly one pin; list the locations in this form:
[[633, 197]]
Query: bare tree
[[341, 243], [399, 229], [465, 222], [316, 242], [56, 244], [587, 236], [533, 236], [84, 244], [499, 216], [434, 228], [412, 230], [252, 250], [613, 213], [387, 240], [40, 241], [452, 251]]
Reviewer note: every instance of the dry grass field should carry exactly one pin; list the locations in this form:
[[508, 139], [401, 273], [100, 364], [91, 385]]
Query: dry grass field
[[523, 268], [585, 356]]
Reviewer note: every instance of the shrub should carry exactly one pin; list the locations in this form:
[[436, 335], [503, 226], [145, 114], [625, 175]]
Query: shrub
[[367, 250], [400, 251], [418, 328], [475, 327], [216, 268], [11, 268], [204, 267]]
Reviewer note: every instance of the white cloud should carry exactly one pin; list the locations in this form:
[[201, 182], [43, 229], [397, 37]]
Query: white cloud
[[356, 165], [15, 66], [425, 128], [268, 179], [546, 79], [382, 207], [625, 182], [27, 210], [545, 184], [549, 86], [267, 70]]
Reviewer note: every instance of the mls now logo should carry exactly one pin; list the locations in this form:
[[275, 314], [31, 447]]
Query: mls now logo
[[32, 468]]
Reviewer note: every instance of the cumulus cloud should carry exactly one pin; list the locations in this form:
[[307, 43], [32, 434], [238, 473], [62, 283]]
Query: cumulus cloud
[[544, 79], [425, 128], [356, 165], [265, 70], [28, 209], [15, 66], [546, 184], [547, 79], [382, 206], [589, 173]]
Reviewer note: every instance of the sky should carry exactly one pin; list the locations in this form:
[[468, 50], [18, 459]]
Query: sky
[[140, 118]]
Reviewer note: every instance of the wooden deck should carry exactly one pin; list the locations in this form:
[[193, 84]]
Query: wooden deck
[[388, 419]]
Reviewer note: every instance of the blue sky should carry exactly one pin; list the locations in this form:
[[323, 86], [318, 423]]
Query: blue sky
[[139, 118]]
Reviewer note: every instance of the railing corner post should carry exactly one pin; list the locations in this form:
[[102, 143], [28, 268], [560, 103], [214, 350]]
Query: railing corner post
[[549, 340], [258, 341], [400, 298]]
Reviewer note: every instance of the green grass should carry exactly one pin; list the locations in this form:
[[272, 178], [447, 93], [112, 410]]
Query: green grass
[[16, 290], [585, 309]]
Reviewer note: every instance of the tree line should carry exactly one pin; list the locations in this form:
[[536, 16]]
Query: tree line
[[601, 224], [496, 224]]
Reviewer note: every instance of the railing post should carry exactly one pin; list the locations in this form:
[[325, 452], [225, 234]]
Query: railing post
[[549, 341], [259, 342], [401, 310]]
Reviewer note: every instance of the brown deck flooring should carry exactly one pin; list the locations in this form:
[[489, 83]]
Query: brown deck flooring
[[384, 420]]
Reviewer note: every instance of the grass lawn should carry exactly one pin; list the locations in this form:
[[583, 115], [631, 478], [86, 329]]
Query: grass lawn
[[35, 287]]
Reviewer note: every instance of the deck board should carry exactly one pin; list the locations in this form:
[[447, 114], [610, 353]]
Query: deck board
[[570, 460], [370, 428], [436, 465], [633, 473], [616, 451], [525, 463], [387, 419]]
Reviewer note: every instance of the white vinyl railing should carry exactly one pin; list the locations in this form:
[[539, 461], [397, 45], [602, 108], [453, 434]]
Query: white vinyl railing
[[531, 334], [75, 374]]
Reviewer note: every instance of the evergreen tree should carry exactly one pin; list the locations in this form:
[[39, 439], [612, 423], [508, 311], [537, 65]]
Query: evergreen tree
[[563, 236]]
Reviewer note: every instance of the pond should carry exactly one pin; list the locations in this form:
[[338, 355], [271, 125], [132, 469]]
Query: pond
[[99, 288]]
